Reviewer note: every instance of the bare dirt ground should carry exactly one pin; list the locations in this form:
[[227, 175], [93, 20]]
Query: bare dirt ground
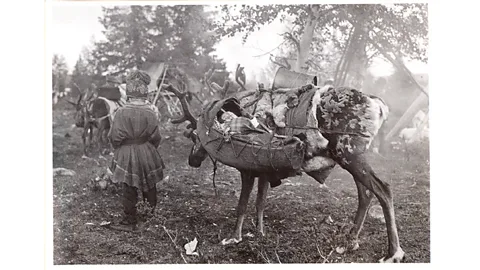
[[298, 226]]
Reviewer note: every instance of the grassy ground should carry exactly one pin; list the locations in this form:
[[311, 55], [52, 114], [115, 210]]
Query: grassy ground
[[296, 213]]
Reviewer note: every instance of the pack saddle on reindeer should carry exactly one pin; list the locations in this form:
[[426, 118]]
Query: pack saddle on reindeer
[[96, 107], [273, 130], [295, 126]]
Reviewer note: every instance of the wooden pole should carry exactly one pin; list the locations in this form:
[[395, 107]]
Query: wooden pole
[[160, 86], [408, 115]]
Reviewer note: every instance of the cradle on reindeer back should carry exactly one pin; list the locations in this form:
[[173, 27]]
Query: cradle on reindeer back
[[254, 149]]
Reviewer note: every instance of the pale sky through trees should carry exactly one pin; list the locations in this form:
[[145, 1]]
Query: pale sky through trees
[[74, 27]]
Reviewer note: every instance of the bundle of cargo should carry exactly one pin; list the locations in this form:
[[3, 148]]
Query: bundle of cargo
[[243, 145], [109, 92]]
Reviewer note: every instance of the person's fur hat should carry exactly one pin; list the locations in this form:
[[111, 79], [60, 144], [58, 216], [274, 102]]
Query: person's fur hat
[[137, 83]]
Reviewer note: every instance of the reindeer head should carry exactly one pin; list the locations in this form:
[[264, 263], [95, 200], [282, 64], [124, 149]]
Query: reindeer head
[[197, 153], [81, 105], [79, 111]]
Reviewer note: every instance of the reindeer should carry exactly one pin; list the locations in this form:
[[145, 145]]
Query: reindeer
[[92, 112], [221, 91], [345, 150]]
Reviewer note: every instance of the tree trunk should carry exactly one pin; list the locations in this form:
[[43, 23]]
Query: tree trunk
[[340, 64], [355, 70], [347, 58], [306, 39]]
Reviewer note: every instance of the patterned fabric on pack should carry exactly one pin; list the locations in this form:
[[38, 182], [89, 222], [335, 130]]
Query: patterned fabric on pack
[[241, 125]]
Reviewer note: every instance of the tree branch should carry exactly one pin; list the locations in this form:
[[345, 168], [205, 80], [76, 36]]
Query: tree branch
[[263, 54], [394, 62], [296, 43], [324, 12], [311, 62], [286, 65]]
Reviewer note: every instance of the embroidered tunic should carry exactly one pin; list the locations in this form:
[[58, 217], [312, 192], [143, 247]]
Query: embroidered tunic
[[135, 136]]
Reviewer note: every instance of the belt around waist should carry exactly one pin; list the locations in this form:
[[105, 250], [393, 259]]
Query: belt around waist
[[135, 141]]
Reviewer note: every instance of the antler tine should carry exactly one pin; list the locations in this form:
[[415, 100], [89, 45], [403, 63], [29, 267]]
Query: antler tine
[[187, 115], [216, 87], [71, 102], [79, 97], [225, 88], [78, 87], [210, 73], [207, 79]]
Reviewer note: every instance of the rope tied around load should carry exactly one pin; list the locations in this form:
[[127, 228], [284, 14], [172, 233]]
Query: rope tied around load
[[330, 131]]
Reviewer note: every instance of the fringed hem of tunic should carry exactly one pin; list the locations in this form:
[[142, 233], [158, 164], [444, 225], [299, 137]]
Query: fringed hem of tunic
[[135, 180]]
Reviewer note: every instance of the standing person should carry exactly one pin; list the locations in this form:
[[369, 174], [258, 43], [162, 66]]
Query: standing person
[[135, 137]]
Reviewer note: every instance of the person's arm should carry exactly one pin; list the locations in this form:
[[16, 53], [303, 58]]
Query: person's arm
[[155, 136], [116, 134]]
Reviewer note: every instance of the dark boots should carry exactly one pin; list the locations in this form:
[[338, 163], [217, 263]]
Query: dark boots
[[151, 197], [129, 201]]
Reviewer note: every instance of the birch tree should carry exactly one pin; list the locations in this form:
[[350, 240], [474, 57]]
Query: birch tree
[[358, 33]]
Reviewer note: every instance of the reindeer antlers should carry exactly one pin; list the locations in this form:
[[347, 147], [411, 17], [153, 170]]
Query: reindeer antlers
[[208, 78], [187, 115], [214, 87], [80, 94]]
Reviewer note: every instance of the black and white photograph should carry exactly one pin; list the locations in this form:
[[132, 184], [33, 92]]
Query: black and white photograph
[[239, 132]]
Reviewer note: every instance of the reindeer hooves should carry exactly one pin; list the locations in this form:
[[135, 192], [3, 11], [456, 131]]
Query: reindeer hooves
[[396, 258], [230, 241], [354, 245], [325, 187]]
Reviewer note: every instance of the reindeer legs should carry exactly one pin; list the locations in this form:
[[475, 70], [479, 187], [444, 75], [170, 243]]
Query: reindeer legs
[[99, 138], [364, 174], [90, 132], [247, 185], [105, 142], [84, 139], [364, 200], [260, 204]]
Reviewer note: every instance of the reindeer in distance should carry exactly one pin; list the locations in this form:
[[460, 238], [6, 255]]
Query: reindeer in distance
[[92, 113]]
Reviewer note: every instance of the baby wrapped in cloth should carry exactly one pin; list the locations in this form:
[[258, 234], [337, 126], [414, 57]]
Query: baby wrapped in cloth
[[233, 124]]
